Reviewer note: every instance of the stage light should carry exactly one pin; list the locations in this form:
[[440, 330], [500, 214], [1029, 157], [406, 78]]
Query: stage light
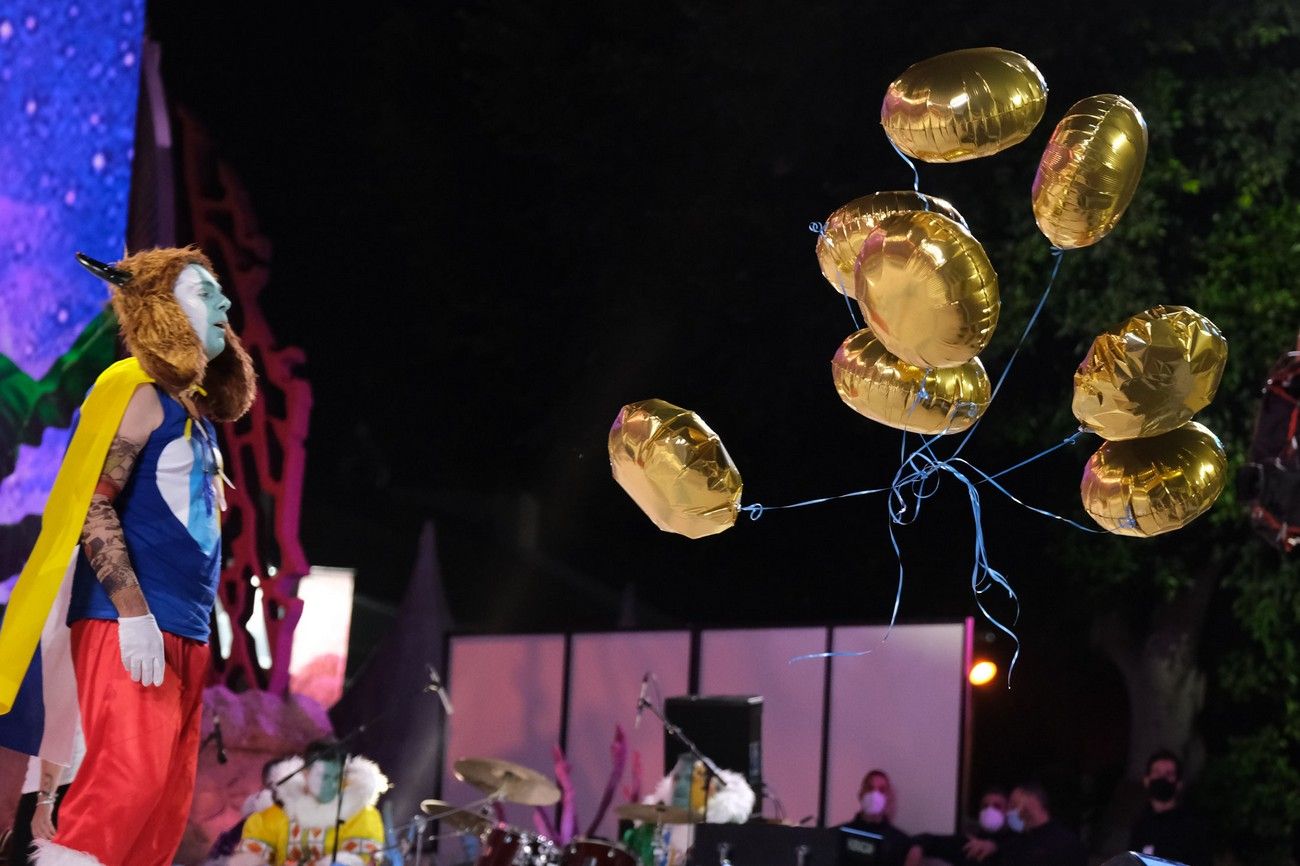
[[982, 673], [320, 642]]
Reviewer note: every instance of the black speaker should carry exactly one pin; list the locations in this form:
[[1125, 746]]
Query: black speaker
[[765, 845], [727, 729]]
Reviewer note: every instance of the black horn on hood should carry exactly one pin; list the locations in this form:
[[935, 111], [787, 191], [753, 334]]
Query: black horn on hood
[[116, 276]]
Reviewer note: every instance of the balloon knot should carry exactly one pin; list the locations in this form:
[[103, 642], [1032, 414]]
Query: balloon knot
[[817, 228]]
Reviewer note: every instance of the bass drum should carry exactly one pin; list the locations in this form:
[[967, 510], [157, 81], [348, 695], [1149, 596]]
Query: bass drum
[[506, 846], [590, 852]]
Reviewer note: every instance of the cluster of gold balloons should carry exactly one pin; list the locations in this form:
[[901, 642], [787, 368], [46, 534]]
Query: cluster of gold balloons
[[927, 290], [1138, 388], [930, 298]]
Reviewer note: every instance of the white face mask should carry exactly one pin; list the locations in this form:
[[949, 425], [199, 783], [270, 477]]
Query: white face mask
[[200, 296], [874, 803], [992, 818]]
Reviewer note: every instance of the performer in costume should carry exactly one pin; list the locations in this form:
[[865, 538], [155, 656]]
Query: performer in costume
[[300, 828], [140, 489]]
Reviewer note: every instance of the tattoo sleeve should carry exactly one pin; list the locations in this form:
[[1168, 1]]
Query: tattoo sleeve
[[101, 535]]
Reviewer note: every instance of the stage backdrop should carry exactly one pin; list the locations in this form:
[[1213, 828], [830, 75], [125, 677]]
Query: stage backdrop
[[901, 709], [69, 72], [507, 696]]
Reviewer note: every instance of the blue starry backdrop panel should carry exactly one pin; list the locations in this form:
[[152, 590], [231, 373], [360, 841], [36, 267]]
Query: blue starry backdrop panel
[[69, 82]]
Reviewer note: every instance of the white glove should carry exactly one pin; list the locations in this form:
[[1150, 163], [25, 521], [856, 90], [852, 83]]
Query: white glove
[[142, 648]]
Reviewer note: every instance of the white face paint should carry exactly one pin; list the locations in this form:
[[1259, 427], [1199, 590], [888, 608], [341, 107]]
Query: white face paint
[[200, 296]]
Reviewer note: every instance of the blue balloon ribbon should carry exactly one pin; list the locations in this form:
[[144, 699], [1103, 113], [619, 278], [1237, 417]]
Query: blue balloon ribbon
[[1057, 255], [820, 229], [916, 175], [918, 478]]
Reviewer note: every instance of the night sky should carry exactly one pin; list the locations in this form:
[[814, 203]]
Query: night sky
[[494, 224]]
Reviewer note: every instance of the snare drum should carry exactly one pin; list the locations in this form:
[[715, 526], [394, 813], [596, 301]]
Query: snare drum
[[589, 852], [506, 846]]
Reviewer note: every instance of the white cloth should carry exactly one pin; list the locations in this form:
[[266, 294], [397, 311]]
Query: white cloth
[[33, 780]]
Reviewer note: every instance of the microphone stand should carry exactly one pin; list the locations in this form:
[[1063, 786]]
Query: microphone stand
[[339, 748], [710, 768]]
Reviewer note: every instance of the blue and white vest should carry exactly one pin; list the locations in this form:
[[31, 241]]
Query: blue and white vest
[[171, 521]]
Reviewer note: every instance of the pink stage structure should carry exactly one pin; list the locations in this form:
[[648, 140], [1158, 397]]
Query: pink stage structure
[[826, 721]]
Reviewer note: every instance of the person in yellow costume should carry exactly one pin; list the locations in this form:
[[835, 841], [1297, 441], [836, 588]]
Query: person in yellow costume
[[313, 792]]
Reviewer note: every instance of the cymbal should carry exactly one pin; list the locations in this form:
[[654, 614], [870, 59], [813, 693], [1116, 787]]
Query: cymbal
[[656, 813], [456, 817], [511, 782]]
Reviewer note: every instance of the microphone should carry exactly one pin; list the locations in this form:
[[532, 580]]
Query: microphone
[[221, 744], [435, 686], [641, 701]]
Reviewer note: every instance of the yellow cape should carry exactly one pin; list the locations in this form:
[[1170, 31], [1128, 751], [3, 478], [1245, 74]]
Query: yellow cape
[[65, 513]]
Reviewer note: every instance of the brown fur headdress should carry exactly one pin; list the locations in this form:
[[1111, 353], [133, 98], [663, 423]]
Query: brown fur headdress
[[159, 334]]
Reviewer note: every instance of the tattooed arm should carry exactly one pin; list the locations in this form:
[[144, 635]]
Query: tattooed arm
[[101, 535]]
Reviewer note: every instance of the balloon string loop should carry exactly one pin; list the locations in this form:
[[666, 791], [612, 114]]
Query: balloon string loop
[[917, 479]]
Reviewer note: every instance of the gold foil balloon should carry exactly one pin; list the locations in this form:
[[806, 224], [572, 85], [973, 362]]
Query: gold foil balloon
[[878, 385], [1158, 484], [927, 289], [964, 105], [675, 468], [1089, 170], [1149, 375], [847, 228]]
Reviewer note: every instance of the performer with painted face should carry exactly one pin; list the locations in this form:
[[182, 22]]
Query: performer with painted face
[[321, 788], [139, 496]]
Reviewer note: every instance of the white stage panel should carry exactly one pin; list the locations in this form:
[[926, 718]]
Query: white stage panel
[[757, 662], [604, 681], [898, 709], [507, 693]]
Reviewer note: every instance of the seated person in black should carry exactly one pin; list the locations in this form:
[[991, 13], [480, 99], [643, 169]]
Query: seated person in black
[[876, 805], [991, 823], [1037, 839], [1166, 828]]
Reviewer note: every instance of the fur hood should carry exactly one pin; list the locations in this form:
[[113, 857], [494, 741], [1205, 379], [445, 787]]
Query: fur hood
[[157, 332], [730, 805], [362, 786]]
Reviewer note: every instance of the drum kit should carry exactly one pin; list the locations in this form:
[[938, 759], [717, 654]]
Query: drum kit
[[503, 845]]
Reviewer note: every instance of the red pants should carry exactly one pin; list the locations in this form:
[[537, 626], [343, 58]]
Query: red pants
[[131, 799]]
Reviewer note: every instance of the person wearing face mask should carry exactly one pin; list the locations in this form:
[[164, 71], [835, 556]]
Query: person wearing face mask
[[990, 823], [875, 814], [1036, 838], [315, 791], [1166, 828], [134, 515]]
